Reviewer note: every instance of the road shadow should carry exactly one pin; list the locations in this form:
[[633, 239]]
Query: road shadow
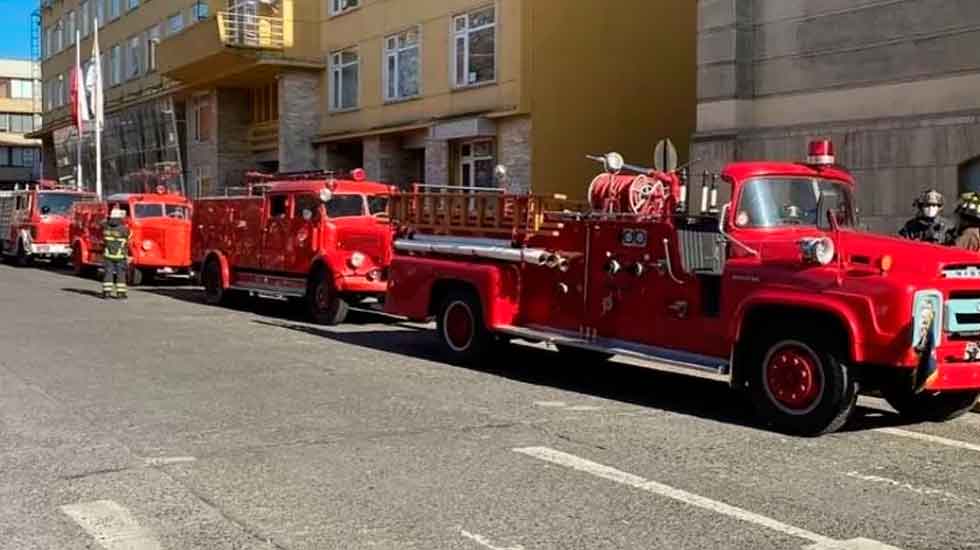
[[84, 292], [612, 380]]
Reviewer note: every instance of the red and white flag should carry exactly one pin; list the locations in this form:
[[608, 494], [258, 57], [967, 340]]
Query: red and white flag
[[93, 85], [80, 113]]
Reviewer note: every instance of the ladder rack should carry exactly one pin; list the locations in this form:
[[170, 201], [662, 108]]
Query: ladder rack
[[481, 213]]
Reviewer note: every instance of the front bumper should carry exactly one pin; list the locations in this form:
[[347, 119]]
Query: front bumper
[[958, 366], [362, 284], [50, 250]]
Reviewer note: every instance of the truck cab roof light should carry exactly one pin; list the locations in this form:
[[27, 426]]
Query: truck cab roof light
[[821, 153]]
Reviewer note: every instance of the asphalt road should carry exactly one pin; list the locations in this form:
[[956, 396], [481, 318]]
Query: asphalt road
[[165, 423]]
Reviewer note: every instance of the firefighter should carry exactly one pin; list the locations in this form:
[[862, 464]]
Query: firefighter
[[967, 233], [115, 256], [928, 226]]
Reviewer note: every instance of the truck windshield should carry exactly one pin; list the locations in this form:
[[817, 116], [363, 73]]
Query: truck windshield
[[150, 210], [57, 204], [782, 201], [345, 206]]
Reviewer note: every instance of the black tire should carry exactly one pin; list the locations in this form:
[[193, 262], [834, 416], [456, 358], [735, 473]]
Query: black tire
[[930, 406], [214, 291], [134, 277], [464, 336], [800, 385], [60, 262], [323, 302]]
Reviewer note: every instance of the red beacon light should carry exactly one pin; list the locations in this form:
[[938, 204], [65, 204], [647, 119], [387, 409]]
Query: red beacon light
[[821, 153], [358, 174]]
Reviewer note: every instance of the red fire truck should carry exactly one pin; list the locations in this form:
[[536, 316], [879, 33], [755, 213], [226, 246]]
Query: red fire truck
[[160, 234], [34, 222], [777, 292], [313, 237]]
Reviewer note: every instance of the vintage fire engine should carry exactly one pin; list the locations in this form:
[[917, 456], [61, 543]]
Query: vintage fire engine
[[34, 222], [160, 234], [313, 237], [777, 292]]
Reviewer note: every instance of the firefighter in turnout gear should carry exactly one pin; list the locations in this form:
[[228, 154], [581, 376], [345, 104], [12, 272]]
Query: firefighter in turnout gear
[[115, 234], [968, 230], [928, 226]]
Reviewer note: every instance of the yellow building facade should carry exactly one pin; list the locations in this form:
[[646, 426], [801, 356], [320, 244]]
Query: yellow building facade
[[433, 91]]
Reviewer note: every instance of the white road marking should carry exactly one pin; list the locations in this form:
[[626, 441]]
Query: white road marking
[[484, 542], [555, 404], [584, 408], [926, 491], [930, 438], [111, 525], [168, 460], [612, 474]]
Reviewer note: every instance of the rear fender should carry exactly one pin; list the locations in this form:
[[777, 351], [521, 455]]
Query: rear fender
[[417, 286], [223, 262]]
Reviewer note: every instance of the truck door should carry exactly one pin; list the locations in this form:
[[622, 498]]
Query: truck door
[[275, 232], [305, 233]]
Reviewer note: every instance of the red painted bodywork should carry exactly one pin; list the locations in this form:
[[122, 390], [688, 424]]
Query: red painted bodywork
[[872, 305], [259, 251], [159, 225], [33, 227]]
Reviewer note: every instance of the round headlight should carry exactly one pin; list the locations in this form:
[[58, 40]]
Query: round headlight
[[147, 245], [818, 250], [357, 260]]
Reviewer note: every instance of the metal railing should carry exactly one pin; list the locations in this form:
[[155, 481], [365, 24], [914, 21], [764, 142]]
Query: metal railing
[[241, 28]]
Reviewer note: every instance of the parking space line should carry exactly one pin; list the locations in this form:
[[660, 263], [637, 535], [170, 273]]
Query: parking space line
[[820, 542], [930, 438], [484, 542], [924, 491], [111, 525]]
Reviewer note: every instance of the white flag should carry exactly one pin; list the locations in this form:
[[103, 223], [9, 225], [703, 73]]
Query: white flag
[[93, 85]]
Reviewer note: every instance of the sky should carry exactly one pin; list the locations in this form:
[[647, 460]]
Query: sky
[[15, 27]]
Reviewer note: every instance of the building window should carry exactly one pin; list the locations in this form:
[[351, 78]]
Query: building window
[[132, 4], [476, 164], [134, 58], [402, 65], [152, 42], [115, 64], [113, 9], [344, 82], [100, 12], [59, 33], [265, 103], [200, 11], [21, 89], [175, 23], [16, 123], [48, 43], [474, 44], [338, 7], [202, 119], [85, 18], [62, 100], [70, 21]]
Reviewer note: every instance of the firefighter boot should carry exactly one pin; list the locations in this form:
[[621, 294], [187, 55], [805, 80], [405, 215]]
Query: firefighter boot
[[121, 291], [107, 291]]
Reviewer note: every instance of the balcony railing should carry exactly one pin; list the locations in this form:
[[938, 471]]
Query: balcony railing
[[242, 29]]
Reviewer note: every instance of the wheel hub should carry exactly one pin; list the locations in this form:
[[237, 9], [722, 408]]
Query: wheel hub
[[792, 377], [459, 325]]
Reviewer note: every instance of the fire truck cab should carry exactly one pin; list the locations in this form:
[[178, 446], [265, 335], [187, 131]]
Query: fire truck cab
[[777, 292], [160, 234], [34, 223], [314, 238]]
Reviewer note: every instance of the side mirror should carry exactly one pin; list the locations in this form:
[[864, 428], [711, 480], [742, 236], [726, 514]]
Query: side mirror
[[614, 162]]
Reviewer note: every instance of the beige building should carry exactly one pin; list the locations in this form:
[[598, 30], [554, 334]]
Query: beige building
[[19, 115], [434, 91]]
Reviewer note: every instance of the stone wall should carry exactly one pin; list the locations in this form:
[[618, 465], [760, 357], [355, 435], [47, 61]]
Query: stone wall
[[437, 162], [514, 151], [200, 156], [234, 153], [299, 122]]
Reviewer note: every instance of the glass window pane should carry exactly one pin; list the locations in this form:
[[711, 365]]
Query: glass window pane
[[345, 206], [461, 60], [349, 56], [461, 23], [482, 17], [482, 66], [349, 87], [392, 76], [408, 73], [483, 149], [484, 173]]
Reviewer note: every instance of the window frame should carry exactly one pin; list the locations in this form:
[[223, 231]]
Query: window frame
[[388, 54], [455, 34], [170, 27], [115, 65], [471, 160], [335, 11], [336, 83], [151, 42], [287, 203], [132, 5], [85, 18], [71, 25], [134, 54], [201, 105]]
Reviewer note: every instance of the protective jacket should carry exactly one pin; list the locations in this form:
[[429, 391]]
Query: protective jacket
[[930, 230], [116, 239]]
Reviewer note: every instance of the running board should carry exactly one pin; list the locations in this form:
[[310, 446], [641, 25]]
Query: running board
[[650, 357]]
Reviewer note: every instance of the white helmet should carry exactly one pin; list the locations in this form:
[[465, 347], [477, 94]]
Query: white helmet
[[117, 214]]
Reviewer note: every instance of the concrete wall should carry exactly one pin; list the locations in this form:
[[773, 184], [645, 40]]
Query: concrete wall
[[893, 83], [234, 150], [299, 120], [514, 151]]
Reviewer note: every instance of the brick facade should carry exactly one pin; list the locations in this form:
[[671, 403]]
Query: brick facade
[[514, 151], [299, 121]]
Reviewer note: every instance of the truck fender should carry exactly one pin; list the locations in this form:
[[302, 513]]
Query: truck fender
[[849, 317], [222, 262], [324, 261], [83, 251]]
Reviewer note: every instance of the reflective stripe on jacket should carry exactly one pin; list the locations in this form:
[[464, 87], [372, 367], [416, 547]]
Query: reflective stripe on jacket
[[116, 242]]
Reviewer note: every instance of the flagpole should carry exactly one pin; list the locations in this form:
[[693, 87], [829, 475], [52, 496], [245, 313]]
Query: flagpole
[[78, 129], [98, 110]]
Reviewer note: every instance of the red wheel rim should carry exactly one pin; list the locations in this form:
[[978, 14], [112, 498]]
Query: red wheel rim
[[792, 377], [458, 326]]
